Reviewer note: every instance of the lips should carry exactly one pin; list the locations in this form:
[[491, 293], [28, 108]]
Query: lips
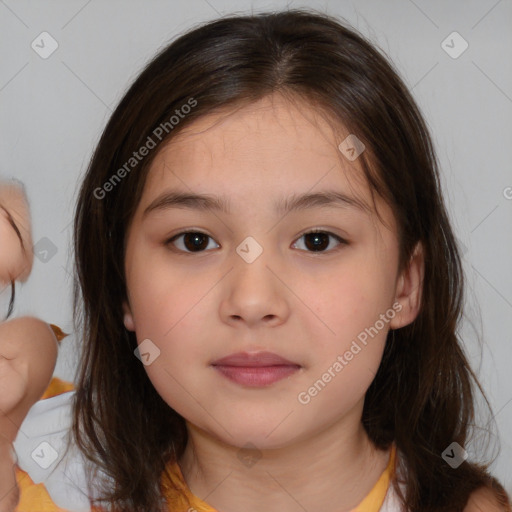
[[253, 359], [255, 369]]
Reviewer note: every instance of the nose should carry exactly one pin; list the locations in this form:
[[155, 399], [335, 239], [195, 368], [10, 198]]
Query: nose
[[255, 293]]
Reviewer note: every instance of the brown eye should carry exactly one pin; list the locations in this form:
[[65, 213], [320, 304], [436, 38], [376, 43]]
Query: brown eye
[[193, 241], [196, 241], [318, 241]]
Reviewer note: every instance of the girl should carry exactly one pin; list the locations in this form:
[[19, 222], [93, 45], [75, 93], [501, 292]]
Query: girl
[[269, 289]]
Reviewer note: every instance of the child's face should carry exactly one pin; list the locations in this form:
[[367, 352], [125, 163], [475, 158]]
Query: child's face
[[304, 305]]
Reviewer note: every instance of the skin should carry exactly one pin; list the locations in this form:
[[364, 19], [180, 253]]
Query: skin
[[28, 353], [15, 264], [305, 306], [483, 500], [28, 346]]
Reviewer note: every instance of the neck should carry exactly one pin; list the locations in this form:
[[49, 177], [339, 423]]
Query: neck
[[335, 465]]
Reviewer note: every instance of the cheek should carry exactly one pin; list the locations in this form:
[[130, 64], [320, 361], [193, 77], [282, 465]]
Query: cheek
[[160, 294], [344, 365], [346, 305], [350, 338], [170, 308]]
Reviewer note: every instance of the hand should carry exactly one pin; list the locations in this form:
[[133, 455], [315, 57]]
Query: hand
[[9, 491], [28, 353], [13, 388], [28, 346], [13, 385], [16, 255]]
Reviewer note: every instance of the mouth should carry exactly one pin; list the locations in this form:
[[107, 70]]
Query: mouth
[[255, 369]]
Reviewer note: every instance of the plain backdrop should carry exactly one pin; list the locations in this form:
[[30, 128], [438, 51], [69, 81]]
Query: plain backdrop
[[53, 109]]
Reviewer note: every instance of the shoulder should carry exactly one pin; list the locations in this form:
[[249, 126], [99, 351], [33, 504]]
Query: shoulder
[[484, 500]]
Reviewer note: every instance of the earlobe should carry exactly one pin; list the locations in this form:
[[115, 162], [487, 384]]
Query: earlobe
[[409, 289], [128, 317]]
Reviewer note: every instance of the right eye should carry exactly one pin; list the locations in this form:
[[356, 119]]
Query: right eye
[[193, 241]]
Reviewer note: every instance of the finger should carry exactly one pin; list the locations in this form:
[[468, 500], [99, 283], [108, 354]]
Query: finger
[[15, 211]]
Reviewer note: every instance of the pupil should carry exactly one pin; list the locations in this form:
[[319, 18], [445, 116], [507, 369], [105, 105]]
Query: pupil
[[195, 239], [319, 240]]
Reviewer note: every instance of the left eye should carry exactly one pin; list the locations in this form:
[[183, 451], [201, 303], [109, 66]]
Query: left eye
[[318, 240], [196, 241]]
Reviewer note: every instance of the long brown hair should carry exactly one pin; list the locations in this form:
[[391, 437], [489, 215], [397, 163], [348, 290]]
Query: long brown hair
[[422, 397]]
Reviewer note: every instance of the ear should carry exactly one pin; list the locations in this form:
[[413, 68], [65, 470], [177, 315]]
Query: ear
[[409, 289], [128, 317]]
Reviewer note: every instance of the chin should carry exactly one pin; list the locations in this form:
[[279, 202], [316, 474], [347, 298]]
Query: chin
[[247, 437]]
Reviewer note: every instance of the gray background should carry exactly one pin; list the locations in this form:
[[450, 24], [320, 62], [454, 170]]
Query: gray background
[[52, 112]]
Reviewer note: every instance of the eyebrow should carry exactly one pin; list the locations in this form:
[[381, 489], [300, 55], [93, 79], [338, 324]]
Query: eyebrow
[[296, 202]]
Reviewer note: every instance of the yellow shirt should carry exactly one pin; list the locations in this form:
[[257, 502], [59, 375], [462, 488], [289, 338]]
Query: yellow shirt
[[35, 498]]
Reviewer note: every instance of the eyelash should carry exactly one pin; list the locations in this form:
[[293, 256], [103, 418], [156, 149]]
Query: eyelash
[[341, 241]]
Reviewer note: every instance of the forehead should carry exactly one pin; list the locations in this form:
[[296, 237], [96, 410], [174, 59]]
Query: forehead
[[272, 141], [261, 152]]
